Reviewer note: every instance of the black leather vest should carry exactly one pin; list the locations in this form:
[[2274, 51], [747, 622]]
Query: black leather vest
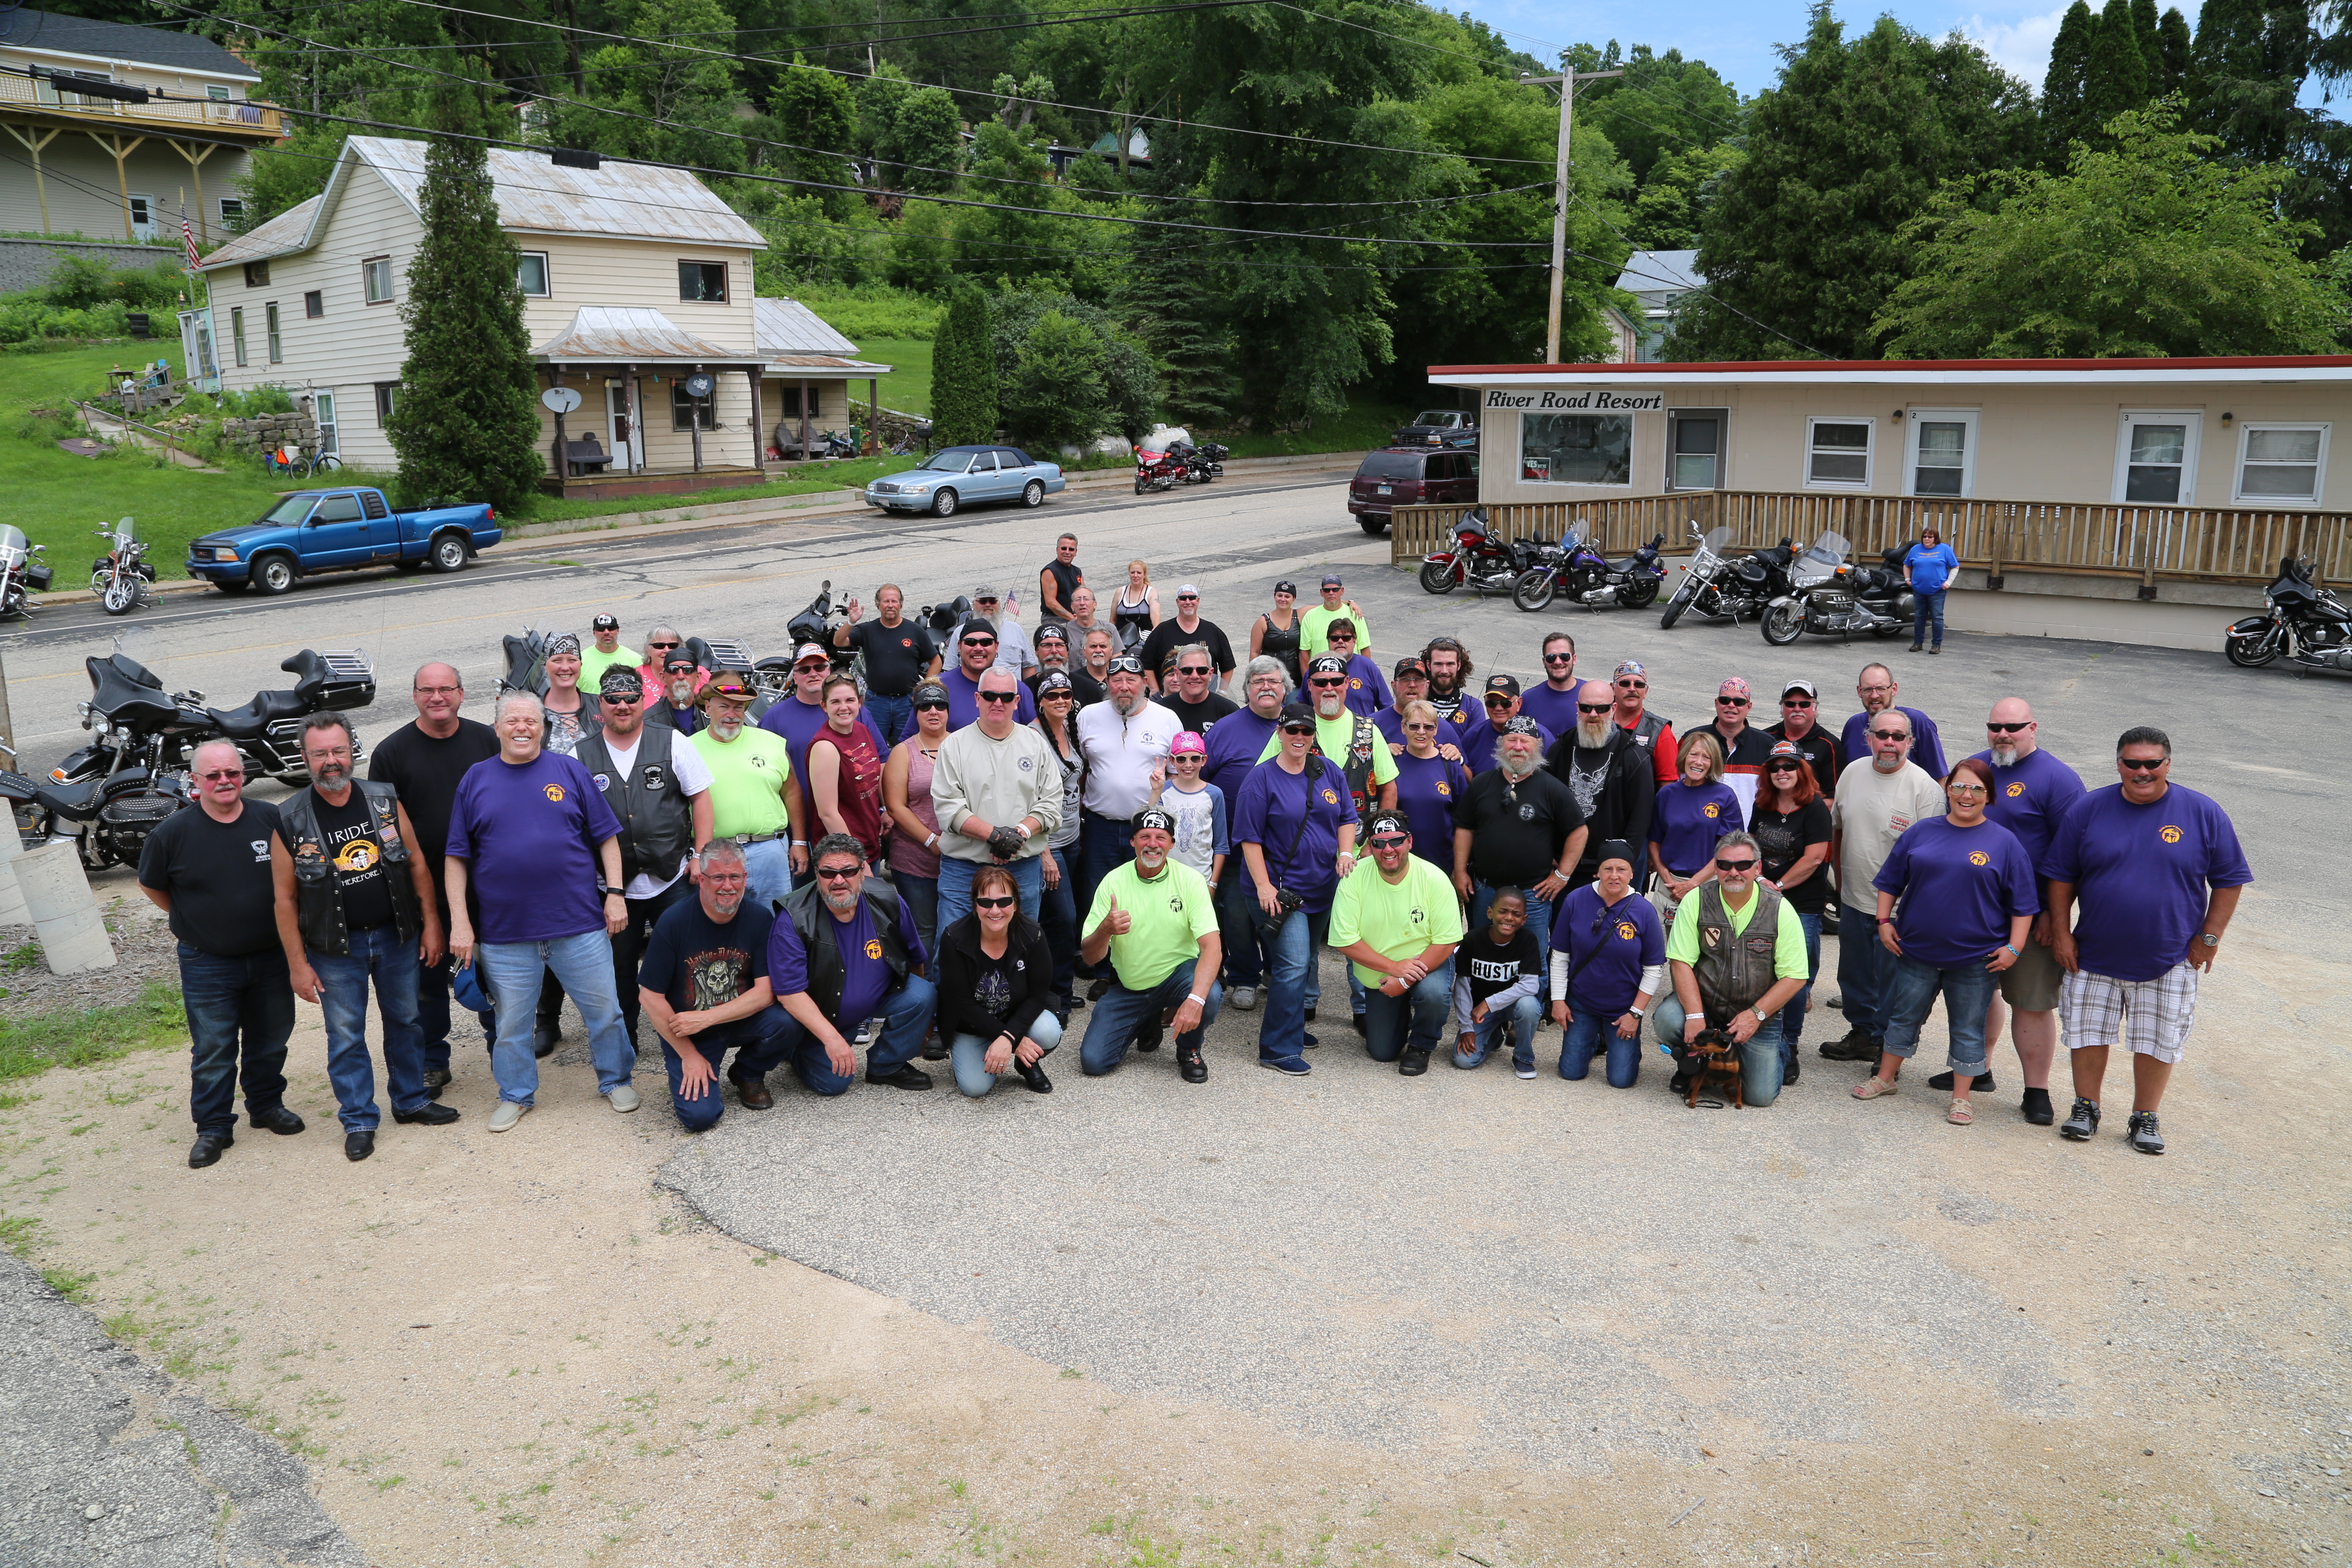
[[318, 901], [804, 907], [657, 822]]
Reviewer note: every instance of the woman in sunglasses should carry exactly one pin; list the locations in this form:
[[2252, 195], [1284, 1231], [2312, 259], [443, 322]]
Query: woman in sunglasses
[[1691, 814], [1428, 785], [1966, 896], [1928, 566], [914, 847], [1057, 909], [996, 993], [1791, 825]]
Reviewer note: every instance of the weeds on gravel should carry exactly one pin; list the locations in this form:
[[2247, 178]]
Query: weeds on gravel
[[73, 1287], [75, 1037]]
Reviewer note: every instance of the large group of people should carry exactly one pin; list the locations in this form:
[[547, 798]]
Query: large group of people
[[952, 852]]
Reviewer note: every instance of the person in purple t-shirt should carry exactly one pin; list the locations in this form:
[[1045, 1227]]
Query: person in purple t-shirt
[[2156, 868], [975, 656], [1234, 746], [843, 954], [1879, 689], [533, 839]]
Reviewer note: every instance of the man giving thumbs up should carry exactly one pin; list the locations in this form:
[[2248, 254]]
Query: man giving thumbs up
[[1156, 919]]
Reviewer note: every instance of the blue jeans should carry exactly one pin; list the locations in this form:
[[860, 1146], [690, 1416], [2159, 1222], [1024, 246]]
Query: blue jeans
[[1863, 970], [1058, 911], [1793, 1016], [1116, 1020], [1103, 846], [1926, 607], [923, 896], [240, 1016], [1539, 912], [970, 1055], [1290, 957], [955, 886], [1592, 1033], [1236, 898], [1759, 1058], [1412, 1022], [377, 954], [892, 714], [906, 1018], [432, 1017], [1911, 988], [757, 1043], [767, 868], [1524, 1017], [585, 964]]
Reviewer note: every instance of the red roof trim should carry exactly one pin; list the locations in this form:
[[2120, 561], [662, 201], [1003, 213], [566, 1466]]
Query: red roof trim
[[1866, 366]]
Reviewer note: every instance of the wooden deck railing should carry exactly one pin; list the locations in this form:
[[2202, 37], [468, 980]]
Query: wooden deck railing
[[2200, 545]]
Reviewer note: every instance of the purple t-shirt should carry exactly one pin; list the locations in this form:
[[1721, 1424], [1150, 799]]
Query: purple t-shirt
[[1555, 710], [963, 701], [866, 975], [1607, 946], [2141, 875], [1957, 888], [530, 832], [1235, 743], [798, 723], [1927, 746], [1271, 801], [1427, 789], [1688, 820], [1390, 724], [2030, 799]]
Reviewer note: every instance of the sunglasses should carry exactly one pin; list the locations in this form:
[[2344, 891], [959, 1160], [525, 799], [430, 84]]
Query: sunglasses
[[1393, 841], [2009, 729], [1731, 702], [2142, 764], [1298, 729], [1193, 669], [999, 902], [1000, 697], [1734, 867], [1785, 767], [943, 708], [1181, 758], [1890, 734], [1188, 598], [1328, 680], [1595, 707], [1796, 702], [1966, 789], [1418, 729], [657, 645], [1559, 658], [1632, 686], [849, 873], [615, 699], [811, 667], [980, 642], [218, 774], [1055, 696], [1498, 699]]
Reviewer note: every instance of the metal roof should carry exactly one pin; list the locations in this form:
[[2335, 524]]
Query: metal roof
[[607, 334], [2281, 368], [279, 236], [54, 34], [1661, 271], [826, 362], [789, 327], [624, 201]]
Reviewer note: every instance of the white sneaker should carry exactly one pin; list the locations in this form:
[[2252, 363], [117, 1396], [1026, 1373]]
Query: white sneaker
[[1244, 999], [624, 1099], [1526, 1072], [507, 1113]]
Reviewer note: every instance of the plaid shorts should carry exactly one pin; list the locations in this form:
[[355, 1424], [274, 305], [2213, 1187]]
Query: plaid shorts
[[2154, 1017]]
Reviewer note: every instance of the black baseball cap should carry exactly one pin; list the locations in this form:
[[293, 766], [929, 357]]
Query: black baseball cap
[[1294, 714]]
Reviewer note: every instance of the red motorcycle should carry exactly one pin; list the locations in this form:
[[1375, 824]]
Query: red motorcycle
[[1157, 470], [1481, 560]]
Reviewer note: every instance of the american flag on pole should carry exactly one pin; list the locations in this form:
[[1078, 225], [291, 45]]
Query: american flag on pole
[[188, 239]]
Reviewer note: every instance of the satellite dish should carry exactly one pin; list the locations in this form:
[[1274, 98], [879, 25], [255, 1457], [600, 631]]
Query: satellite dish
[[561, 399], [700, 385]]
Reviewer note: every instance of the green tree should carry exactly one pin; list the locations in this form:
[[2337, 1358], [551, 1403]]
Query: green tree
[[465, 424], [2148, 245], [914, 134], [1057, 394], [662, 101], [2246, 71], [2117, 80], [1848, 147], [1170, 307], [2175, 49], [1117, 364], [963, 372], [2149, 31], [816, 111], [1670, 210], [1662, 105], [2064, 117]]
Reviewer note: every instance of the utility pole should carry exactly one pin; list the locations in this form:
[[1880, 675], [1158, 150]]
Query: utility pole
[[1566, 81]]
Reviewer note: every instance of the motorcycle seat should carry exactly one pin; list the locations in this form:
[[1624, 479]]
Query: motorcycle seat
[[72, 800], [267, 707], [1630, 563]]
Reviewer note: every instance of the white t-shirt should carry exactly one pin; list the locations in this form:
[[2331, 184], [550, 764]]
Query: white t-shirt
[[1871, 811], [693, 776], [1122, 753], [1014, 651]]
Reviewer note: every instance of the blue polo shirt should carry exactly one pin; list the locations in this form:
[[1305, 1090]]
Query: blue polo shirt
[[1607, 946], [1956, 888], [2142, 876]]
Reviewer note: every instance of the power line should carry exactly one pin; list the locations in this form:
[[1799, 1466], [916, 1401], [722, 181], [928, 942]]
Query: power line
[[1706, 294]]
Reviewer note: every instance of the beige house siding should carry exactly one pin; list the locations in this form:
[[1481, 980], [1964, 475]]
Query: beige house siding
[[79, 176], [2032, 442]]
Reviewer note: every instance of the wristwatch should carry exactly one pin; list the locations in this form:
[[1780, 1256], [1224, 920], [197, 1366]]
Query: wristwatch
[[1761, 1016], [2208, 938]]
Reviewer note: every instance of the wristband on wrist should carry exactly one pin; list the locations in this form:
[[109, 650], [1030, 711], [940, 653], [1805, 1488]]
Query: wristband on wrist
[[2012, 952], [1198, 1001], [799, 842], [1886, 919]]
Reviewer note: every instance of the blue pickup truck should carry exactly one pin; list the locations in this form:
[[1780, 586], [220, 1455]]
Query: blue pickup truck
[[336, 529]]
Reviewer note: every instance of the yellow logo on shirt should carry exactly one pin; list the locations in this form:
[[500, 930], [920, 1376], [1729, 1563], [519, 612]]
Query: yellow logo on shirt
[[2169, 835], [2015, 790], [1330, 797], [553, 792], [873, 947], [1356, 683], [1445, 789], [1978, 857], [1714, 808], [357, 856], [1625, 931]]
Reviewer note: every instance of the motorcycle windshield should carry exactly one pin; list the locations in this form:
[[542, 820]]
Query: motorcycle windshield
[[1820, 563], [1717, 539], [13, 546]]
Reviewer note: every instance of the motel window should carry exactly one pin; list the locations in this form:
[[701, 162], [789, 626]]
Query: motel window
[[1576, 448], [531, 273], [375, 273], [1940, 453], [277, 344], [1837, 454], [683, 410], [702, 280], [237, 333], [314, 304], [2282, 462], [2155, 459]]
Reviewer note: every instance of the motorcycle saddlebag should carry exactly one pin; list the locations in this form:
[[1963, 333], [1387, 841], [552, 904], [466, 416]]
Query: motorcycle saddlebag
[[38, 577], [351, 681]]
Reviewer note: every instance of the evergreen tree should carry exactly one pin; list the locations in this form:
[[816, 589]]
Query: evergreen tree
[[1165, 302], [2062, 117], [1850, 146], [466, 421], [2117, 81], [2173, 43], [2246, 70], [2147, 30], [963, 372]]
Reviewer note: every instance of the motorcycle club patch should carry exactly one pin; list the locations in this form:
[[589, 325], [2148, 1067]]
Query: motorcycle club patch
[[260, 849], [1527, 812], [654, 776], [604, 781], [1710, 937]]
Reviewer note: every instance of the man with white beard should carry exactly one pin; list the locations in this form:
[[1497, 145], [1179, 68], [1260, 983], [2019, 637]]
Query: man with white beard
[[1608, 771], [2032, 793], [1875, 804], [674, 702]]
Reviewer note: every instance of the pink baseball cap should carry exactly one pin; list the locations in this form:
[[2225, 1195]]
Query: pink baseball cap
[[1188, 743]]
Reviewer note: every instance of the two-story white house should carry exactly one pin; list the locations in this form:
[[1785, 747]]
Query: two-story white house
[[637, 296]]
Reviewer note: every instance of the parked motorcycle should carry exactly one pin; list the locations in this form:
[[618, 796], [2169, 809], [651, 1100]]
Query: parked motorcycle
[[837, 445], [2306, 621], [1574, 568], [1201, 463], [1480, 558], [22, 571], [121, 577], [135, 722], [1159, 470], [1829, 598], [107, 817], [1715, 585]]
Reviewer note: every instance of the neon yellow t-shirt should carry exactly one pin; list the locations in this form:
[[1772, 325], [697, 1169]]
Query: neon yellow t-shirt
[[747, 781], [1169, 915], [1401, 919]]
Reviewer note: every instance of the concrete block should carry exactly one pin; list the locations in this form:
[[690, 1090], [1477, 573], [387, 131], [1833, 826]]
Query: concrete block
[[64, 916], [12, 897]]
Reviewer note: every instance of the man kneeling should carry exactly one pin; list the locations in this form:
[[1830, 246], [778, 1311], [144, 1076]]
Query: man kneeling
[[1737, 953], [1156, 919], [1396, 918], [844, 956], [704, 984]]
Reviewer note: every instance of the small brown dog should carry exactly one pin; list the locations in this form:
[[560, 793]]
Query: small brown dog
[[1712, 1057]]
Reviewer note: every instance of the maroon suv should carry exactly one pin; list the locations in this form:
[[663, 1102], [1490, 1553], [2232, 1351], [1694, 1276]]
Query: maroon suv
[[1408, 476]]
